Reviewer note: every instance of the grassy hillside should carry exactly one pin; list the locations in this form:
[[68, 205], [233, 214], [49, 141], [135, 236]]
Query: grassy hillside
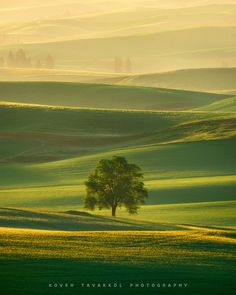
[[225, 105], [66, 197], [188, 215], [212, 79], [104, 96], [205, 129], [151, 217], [216, 80], [47, 152], [193, 257], [32, 133], [72, 220]]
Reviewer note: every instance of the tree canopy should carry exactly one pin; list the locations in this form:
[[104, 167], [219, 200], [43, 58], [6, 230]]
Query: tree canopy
[[115, 183]]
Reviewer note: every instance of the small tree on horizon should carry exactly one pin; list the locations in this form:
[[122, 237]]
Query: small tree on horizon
[[50, 62], [115, 183]]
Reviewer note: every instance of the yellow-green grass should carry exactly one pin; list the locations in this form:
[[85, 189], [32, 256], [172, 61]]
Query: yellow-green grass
[[196, 257], [104, 96], [139, 247], [48, 197], [206, 129], [225, 105]]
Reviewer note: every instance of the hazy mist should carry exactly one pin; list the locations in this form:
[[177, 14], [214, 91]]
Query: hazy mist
[[134, 36]]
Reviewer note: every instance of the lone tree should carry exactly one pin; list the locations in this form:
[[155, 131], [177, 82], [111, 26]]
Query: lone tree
[[115, 183]]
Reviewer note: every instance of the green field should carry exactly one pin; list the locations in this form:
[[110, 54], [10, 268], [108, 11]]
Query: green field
[[104, 96], [151, 217], [48, 152], [225, 105], [185, 234]]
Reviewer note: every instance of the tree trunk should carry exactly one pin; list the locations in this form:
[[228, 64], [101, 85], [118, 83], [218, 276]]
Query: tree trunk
[[113, 210]]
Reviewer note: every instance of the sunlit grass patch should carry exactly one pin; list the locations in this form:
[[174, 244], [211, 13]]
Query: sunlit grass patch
[[191, 181], [205, 246]]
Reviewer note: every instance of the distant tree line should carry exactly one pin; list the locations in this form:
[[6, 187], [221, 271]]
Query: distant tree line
[[20, 59], [123, 65]]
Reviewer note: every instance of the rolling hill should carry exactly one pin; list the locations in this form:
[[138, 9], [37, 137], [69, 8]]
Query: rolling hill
[[225, 105], [104, 96], [47, 153], [34, 133], [176, 216], [73, 221], [216, 80]]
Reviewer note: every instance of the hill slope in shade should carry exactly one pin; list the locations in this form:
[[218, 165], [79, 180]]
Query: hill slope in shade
[[176, 216], [104, 96], [31, 133], [72, 221]]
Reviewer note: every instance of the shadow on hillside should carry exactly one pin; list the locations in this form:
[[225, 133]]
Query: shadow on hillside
[[73, 220]]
